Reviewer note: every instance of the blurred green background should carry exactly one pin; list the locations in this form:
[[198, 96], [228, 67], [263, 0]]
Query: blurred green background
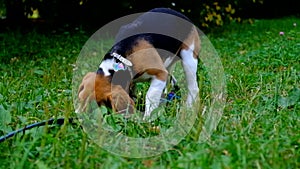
[[95, 13]]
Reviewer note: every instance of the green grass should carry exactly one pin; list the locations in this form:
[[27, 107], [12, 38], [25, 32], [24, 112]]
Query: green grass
[[259, 127]]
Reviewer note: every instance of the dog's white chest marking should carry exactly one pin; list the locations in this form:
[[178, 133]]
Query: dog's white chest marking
[[111, 64], [107, 65]]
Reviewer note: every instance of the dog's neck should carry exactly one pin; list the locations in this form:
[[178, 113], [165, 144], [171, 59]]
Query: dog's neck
[[113, 62]]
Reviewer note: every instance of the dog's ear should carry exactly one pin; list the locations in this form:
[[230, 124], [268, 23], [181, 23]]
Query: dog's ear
[[108, 102], [118, 100], [97, 87], [86, 92], [86, 88], [121, 101], [94, 87]]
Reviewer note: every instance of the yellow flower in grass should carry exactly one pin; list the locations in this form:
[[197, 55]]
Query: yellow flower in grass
[[205, 25], [228, 9], [209, 17], [219, 22], [217, 6], [239, 19], [232, 11]]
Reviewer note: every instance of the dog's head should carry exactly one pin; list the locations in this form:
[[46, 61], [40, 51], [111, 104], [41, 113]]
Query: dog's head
[[97, 87]]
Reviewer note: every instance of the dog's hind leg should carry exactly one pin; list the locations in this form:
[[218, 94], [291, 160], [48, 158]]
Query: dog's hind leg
[[189, 56], [189, 64]]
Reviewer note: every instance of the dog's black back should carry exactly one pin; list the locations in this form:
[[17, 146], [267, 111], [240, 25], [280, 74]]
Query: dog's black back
[[164, 28]]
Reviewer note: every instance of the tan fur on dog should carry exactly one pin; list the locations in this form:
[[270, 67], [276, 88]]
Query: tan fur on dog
[[146, 59], [192, 38], [97, 87]]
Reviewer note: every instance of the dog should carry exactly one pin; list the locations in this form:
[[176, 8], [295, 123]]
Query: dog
[[146, 48]]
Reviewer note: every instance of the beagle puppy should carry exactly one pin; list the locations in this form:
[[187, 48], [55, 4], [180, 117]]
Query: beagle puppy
[[146, 48]]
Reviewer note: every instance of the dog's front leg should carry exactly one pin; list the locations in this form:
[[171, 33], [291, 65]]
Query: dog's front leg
[[153, 95], [147, 61], [158, 84]]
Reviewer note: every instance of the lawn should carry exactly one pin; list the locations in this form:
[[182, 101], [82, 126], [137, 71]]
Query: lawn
[[259, 127]]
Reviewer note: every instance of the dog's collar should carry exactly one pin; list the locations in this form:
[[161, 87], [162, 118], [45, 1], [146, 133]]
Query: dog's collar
[[121, 58]]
